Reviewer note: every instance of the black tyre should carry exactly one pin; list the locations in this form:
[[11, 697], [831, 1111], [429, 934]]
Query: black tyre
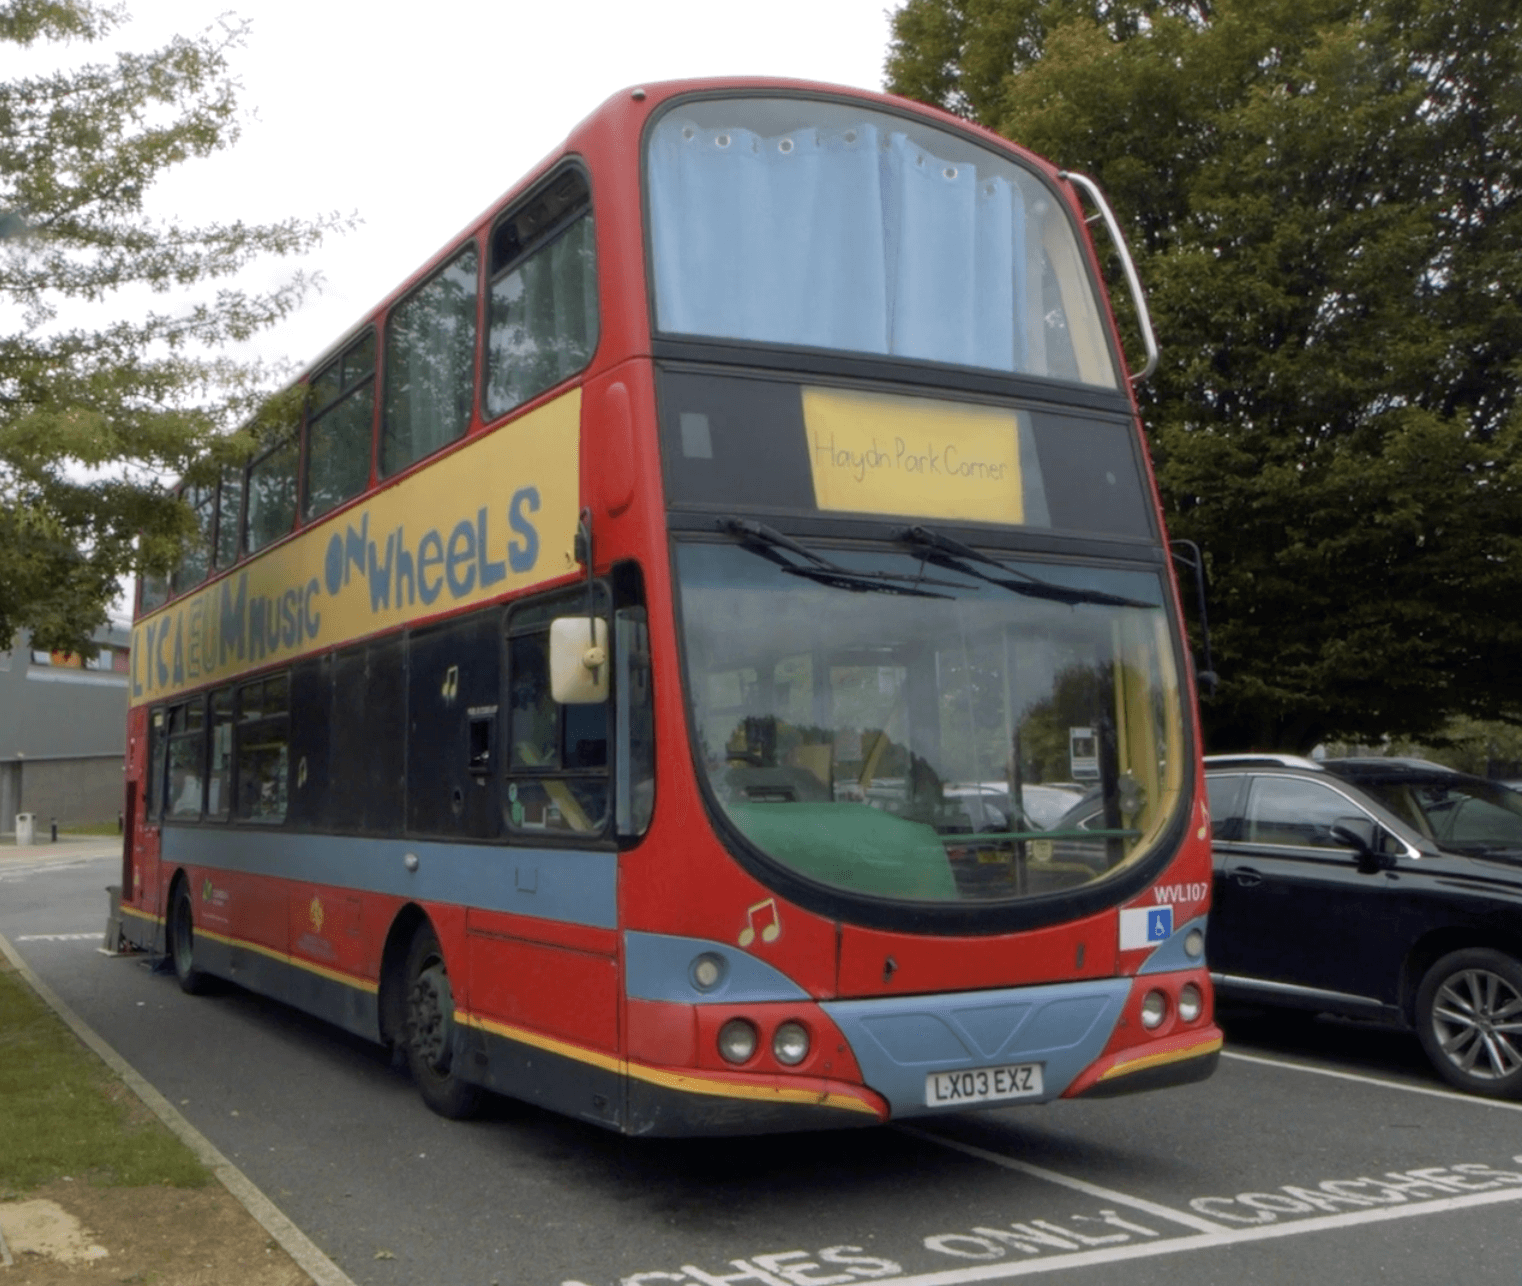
[[182, 942], [428, 1036], [1469, 1019]]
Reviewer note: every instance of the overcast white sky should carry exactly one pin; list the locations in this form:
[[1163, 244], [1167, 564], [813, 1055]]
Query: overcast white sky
[[417, 118]]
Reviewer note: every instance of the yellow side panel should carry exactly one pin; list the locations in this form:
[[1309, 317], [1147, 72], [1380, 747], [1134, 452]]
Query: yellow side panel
[[916, 456], [496, 516]]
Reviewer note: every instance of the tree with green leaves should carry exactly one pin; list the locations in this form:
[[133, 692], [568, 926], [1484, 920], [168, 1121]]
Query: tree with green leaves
[[1323, 201], [101, 397]]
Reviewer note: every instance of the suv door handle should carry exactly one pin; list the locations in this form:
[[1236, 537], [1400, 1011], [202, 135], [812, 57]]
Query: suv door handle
[[1246, 876]]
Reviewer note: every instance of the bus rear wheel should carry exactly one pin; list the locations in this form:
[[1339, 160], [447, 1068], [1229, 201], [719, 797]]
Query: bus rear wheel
[[429, 1032], [182, 942]]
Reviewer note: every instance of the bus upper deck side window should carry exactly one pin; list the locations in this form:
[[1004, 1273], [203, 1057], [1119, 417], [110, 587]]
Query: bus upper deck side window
[[193, 567], [229, 516], [542, 321], [340, 427], [271, 499], [430, 365]]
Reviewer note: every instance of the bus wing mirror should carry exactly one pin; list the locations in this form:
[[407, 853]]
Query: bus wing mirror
[[579, 660]]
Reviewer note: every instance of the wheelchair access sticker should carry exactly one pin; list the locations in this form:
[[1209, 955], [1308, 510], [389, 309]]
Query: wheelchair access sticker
[[1145, 926]]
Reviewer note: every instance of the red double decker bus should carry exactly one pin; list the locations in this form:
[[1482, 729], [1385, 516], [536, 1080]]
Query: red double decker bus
[[708, 659]]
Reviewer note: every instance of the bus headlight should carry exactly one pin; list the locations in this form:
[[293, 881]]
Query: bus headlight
[[1190, 1003], [737, 1041], [1194, 944], [707, 971], [791, 1044], [1154, 1008]]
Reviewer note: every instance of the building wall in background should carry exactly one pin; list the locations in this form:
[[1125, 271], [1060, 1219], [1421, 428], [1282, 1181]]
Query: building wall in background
[[63, 730], [76, 792]]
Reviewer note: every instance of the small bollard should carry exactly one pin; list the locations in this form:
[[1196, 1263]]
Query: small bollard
[[121, 824], [53, 829]]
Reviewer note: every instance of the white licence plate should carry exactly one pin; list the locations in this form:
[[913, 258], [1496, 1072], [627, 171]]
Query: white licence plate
[[982, 1084]]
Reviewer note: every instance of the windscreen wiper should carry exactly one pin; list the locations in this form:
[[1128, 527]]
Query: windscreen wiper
[[953, 555], [772, 545]]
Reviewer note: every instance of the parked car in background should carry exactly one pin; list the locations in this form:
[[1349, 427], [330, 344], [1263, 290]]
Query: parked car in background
[[1329, 899]]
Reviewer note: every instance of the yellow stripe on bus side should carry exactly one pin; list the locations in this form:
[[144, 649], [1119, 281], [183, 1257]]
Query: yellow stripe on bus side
[[1159, 1060], [322, 971], [548, 1043], [690, 1084], [142, 915]]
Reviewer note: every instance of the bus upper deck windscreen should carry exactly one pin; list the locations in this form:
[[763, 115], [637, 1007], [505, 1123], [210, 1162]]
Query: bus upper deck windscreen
[[805, 222]]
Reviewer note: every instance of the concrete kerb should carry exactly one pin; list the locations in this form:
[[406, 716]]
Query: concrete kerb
[[67, 846], [291, 1239]]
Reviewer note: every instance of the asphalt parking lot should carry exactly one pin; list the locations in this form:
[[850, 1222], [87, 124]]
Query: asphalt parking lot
[[1320, 1150]]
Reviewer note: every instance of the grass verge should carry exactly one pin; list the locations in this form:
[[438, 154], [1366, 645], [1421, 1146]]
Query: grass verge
[[65, 1114]]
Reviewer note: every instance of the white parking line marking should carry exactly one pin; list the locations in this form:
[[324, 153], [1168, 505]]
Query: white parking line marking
[[59, 937], [1473, 1099], [1202, 1241], [1078, 1185]]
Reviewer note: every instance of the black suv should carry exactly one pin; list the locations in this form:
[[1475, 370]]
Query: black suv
[[1327, 898]]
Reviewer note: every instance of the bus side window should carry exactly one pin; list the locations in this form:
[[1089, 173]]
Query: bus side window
[[193, 567], [263, 749], [340, 424], [219, 763], [635, 722], [187, 758], [271, 501], [229, 517], [430, 365], [157, 738], [556, 756], [542, 312]]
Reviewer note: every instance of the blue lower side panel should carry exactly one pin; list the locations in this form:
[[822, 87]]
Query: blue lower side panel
[[900, 1041]]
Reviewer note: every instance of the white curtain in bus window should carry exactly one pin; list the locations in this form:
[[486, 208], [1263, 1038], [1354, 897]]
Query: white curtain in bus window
[[430, 365], [543, 326], [856, 235]]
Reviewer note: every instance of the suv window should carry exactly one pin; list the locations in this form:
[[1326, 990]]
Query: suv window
[[1293, 811], [1225, 804]]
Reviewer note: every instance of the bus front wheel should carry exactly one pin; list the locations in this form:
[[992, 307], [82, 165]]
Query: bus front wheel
[[182, 942], [429, 1034]]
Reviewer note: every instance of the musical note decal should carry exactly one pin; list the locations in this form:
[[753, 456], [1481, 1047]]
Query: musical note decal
[[769, 932]]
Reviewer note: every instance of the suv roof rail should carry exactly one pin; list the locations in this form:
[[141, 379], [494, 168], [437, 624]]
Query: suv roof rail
[[1264, 759], [1392, 761]]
